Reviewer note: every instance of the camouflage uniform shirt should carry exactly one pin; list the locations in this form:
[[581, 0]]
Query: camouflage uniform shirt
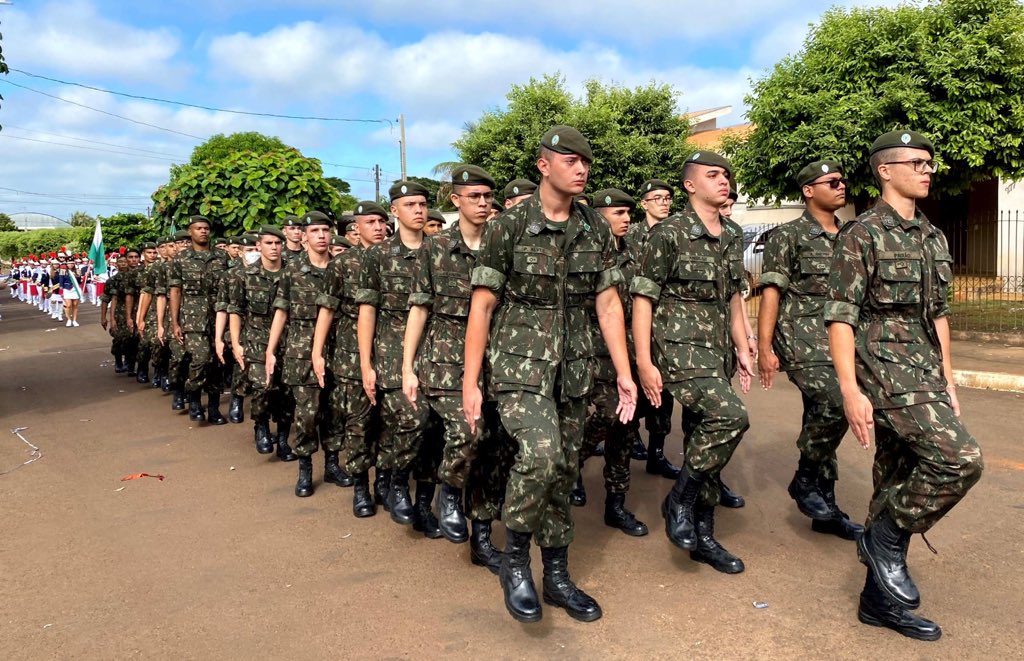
[[341, 285], [197, 273], [251, 295], [297, 292]]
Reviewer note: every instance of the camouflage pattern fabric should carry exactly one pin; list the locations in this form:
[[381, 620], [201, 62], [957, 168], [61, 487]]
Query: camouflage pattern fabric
[[114, 293], [197, 273], [230, 370], [487, 481], [824, 421], [603, 426], [311, 408], [154, 283], [637, 235], [404, 425], [889, 281]]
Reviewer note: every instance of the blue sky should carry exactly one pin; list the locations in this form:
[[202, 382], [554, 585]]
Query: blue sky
[[441, 64]]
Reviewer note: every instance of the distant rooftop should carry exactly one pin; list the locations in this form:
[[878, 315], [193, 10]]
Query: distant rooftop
[[30, 220], [704, 130]]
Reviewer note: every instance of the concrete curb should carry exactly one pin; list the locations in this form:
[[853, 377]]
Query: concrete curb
[[989, 380]]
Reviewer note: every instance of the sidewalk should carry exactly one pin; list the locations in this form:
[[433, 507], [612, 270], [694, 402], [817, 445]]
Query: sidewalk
[[988, 366]]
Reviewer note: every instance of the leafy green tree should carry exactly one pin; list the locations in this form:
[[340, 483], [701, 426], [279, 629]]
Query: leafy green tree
[[951, 69], [220, 146], [40, 242], [439, 191], [128, 230], [635, 133], [6, 224], [339, 184], [81, 219], [245, 190]]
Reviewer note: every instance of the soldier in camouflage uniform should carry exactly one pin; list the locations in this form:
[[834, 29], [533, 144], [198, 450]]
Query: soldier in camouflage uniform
[[518, 190], [293, 249], [177, 363], [145, 312], [686, 294], [887, 314], [129, 291], [229, 367], [192, 285], [603, 424], [538, 263], [113, 300], [797, 259], [295, 308], [249, 298], [385, 282], [353, 420], [438, 310]]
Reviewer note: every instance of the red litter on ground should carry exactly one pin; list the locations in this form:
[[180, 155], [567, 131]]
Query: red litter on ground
[[139, 476]]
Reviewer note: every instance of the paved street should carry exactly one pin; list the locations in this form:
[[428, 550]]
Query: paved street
[[220, 560]]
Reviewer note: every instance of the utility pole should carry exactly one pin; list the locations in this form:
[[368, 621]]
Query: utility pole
[[376, 183], [401, 140]]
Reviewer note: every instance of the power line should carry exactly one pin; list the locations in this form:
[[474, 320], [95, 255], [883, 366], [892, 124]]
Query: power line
[[67, 144], [201, 107], [77, 204], [95, 142], [86, 195]]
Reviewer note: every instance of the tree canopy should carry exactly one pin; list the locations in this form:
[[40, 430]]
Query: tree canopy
[[220, 146], [951, 69], [81, 219], [635, 133], [6, 224]]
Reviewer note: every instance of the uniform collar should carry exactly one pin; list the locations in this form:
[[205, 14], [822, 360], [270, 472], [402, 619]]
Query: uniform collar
[[891, 219], [815, 229], [696, 229], [396, 248], [536, 221]]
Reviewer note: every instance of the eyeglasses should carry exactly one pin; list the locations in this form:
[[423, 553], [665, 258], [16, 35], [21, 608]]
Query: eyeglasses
[[919, 164], [660, 199], [834, 184], [477, 198]]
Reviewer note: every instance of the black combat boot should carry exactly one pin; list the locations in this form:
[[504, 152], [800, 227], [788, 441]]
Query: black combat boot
[[236, 411], [883, 548], [578, 495], [517, 579], [196, 413], [657, 464], [399, 505], [213, 414], [729, 498], [481, 552], [840, 524], [559, 590], [708, 549], [450, 518], [284, 451], [381, 487], [362, 502], [804, 490], [118, 364], [158, 378], [638, 450], [879, 611], [423, 519], [177, 398], [142, 375], [264, 442], [677, 510], [304, 485], [129, 365], [166, 385], [333, 472], [617, 516]]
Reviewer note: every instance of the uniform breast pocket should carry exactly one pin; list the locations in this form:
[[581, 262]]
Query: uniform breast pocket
[[535, 274], [814, 270], [898, 281], [695, 280], [944, 268], [583, 267], [453, 292], [395, 291], [303, 304], [192, 274], [259, 301]]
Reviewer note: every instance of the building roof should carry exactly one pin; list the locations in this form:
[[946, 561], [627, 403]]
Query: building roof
[[712, 139], [30, 220], [699, 116]]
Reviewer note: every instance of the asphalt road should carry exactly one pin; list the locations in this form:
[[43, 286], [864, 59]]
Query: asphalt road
[[220, 560]]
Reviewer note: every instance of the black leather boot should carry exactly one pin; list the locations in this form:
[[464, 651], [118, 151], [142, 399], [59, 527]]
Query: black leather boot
[[423, 519], [804, 490], [166, 385], [362, 502], [578, 495], [617, 516], [883, 548], [729, 498], [177, 399], [381, 487], [677, 510], [639, 450], [264, 443], [304, 485], [517, 580], [657, 464], [449, 514], [142, 374], [840, 524], [213, 410], [284, 451], [129, 366], [236, 411], [333, 472], [196, 413], [877, 610], [399, 505], [119, 364], [481, 552], [708, 549], [559, 590]]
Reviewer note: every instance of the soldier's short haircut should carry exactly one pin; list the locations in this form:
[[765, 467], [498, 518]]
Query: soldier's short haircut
[[545, 153], [880, 158]]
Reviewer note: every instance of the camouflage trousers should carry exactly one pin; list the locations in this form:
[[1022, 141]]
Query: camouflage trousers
[[123, 342], [348, 418], [203, 372], [402, 435], [714, 419], [273, 402], [824, 421], [549, 435], [460, 444], [361, 452], [489, 471], [657, 421], [177, 364], [925, 463], [311, 405], [603, 426]]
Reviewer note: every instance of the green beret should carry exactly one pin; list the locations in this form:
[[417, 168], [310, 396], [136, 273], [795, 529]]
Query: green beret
[[221, 241], [350, 226], [192, 220], [149, 245], [132, 250], [652, 185], [434, 214], [291, 221], [813, 171], [316, 218], [583, 198], [249, 239], [164, 240], [182, 235], [270, 230], [711, 158], [471, 175], [407, 188], [337, 240], [367, 208], [613, 197], [518, 187], [901, 138], [234, 240], [563, 139]]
